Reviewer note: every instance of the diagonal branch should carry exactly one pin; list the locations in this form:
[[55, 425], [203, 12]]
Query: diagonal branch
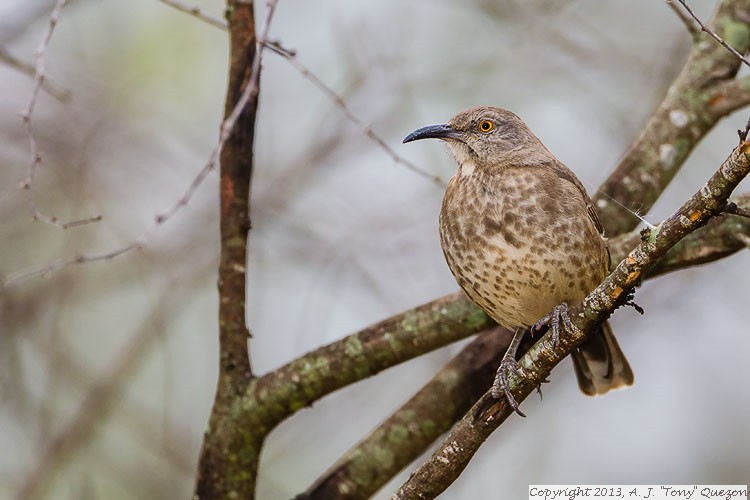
[[454, 454], [404, 436], [281, 393], [411, 429], [689, 25], [692, 106], [713, 34], [720, 237], [55, 90], [298, 384], [292, 59]]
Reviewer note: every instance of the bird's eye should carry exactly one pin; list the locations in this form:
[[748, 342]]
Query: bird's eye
[[486, 126]]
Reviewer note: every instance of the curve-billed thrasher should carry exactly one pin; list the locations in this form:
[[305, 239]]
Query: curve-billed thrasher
[[522, 238]]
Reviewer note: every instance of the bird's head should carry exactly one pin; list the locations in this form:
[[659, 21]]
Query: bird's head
[[486, 136]]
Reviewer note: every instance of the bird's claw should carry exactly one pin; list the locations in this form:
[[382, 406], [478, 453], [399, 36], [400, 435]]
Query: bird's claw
[[559, 314], [539, 389], [501, 388]]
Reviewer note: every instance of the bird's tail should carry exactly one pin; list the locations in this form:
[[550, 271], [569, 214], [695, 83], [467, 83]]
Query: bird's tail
[[600, 365]]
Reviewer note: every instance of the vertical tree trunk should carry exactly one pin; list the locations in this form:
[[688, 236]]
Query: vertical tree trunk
[[229, 455]]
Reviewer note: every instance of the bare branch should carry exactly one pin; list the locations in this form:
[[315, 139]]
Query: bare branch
[[226, 128], [196, 12], [35, 155], [86, 258], [53, 89], [713, 34], [291, 57], [250, 92], [403, 437], [684, 18], [704, 92]]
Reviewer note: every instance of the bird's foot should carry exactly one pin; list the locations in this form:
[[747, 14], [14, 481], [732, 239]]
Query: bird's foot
[[559, 316], [500, 387]]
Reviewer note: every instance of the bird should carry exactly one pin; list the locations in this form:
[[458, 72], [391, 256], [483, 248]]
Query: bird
[[523, 240]]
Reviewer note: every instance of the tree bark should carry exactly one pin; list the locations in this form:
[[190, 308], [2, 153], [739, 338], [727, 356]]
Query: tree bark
[[229, 456]]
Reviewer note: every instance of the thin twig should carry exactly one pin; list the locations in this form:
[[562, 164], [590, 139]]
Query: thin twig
[[225, 131], [713, 33], [196, 12], [35, 156], [250, 91], [685, 19], [52, 88], [291, 57], [61, 264], [705, 91]]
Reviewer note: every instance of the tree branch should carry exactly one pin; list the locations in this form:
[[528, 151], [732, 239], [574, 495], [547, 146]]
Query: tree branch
[[720, 237], [689, 25], [34, 153], [690, 109], [293, 60], [404, 435], [411, 429], [228, 462], [57, 91], [279, 394], [713, 34], [446, 464], [728, 96], [197, 13]]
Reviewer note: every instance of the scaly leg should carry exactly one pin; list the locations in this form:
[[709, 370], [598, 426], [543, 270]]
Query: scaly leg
[[508, 364]]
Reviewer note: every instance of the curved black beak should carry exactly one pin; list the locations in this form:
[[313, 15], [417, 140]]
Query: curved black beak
[[433, 132]]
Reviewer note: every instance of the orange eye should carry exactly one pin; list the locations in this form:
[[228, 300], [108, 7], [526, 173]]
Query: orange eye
[[486, 126]]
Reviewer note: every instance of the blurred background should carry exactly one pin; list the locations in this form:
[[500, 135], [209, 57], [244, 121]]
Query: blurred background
[[108, 369]]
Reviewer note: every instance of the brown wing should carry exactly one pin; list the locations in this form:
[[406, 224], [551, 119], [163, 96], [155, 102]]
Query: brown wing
[[565, 173], [594, 216]]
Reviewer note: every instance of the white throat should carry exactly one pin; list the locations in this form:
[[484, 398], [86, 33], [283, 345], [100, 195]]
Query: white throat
[[466, 162]]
